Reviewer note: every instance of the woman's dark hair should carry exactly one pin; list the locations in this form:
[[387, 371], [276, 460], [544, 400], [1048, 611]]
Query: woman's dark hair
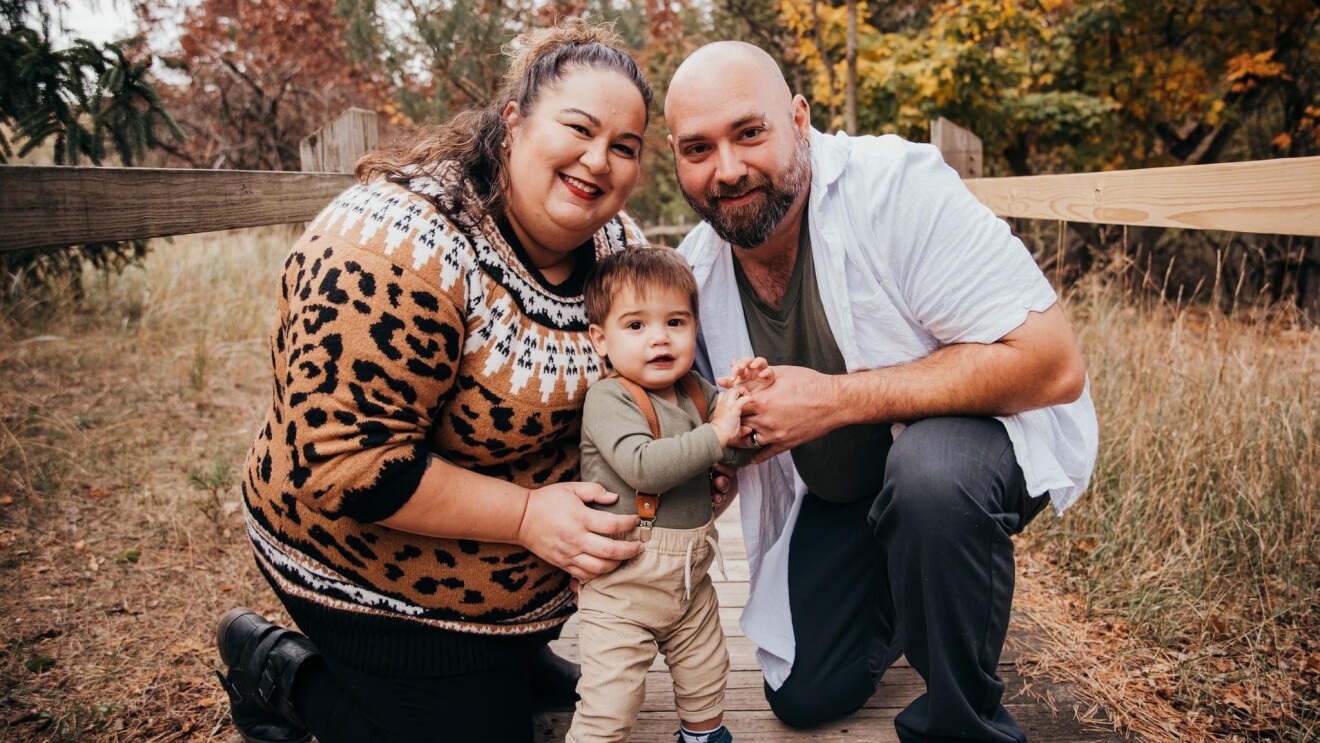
[[473, 140]]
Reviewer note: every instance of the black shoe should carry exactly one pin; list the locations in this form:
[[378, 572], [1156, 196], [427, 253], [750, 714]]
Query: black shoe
[[263, 660], [554, 680]]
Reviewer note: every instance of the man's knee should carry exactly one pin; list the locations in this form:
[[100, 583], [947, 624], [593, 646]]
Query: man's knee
[[794, 710], [937, 464], [800, 707]]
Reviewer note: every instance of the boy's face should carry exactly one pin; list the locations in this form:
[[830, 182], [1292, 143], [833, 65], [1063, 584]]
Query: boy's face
[[651, 338]]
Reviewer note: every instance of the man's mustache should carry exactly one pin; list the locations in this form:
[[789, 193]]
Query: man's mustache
[[740, 187]]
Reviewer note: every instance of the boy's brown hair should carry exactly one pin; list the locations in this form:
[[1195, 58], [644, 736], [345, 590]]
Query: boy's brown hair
[[640, 269]]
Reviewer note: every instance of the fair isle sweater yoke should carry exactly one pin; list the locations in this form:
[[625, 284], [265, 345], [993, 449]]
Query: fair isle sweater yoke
[[401, 335]]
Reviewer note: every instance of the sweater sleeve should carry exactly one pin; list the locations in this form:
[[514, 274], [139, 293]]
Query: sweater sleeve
[[649, 465], [372, 350]]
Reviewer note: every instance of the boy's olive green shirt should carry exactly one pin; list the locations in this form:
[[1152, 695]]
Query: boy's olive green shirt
[[619, 453]]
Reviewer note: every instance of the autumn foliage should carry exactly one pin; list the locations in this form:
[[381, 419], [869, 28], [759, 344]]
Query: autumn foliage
[[260, 76]]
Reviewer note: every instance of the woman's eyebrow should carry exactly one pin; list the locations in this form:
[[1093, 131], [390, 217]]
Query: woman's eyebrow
[[596, 122]]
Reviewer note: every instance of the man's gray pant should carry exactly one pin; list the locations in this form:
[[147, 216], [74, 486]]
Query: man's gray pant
[[925, 570]]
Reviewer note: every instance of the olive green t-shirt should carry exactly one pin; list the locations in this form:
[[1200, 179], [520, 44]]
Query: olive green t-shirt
[[846, 464]]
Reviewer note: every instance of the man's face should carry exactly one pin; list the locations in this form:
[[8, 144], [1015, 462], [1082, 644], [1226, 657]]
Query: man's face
[[741, 174]]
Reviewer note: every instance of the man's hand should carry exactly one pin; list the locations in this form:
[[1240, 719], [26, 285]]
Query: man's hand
[[800, 406], [560, 528]]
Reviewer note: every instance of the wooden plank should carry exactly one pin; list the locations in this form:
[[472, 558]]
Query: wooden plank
[[961, 148], [864, 726], [53, 206], [1046, 713], [1269, 196], [336, 147]]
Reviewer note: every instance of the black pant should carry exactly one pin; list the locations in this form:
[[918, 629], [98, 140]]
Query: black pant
[[925, 570], [341, 704]]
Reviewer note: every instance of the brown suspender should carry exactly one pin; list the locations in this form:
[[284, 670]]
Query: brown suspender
[[647, 503]]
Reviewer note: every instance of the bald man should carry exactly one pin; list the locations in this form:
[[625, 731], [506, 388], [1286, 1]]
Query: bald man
[[930, 398]]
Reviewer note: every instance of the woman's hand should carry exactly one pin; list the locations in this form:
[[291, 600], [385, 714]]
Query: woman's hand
[[723, 487], [560, 528]]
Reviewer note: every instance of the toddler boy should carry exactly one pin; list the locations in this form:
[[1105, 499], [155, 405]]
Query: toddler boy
[[645, 436]]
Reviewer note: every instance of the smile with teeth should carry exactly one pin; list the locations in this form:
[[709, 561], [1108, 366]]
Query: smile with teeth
[[581, 185]]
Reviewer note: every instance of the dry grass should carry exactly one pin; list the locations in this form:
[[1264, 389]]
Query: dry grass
[[1179, 595], [121, 429]]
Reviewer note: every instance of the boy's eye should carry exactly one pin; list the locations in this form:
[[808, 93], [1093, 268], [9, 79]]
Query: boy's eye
[[677, 322], [635, 325]]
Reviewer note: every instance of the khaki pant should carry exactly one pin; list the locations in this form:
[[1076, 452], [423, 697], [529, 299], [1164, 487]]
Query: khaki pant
[[644, 606]]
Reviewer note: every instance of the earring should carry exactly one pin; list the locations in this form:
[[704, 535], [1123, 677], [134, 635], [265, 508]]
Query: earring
[[505, 143]]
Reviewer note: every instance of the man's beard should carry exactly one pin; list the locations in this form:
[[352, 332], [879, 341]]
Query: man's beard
[[751, 224]]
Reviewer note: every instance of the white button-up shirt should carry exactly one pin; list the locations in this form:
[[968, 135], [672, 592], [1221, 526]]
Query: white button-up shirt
[[907, 261]]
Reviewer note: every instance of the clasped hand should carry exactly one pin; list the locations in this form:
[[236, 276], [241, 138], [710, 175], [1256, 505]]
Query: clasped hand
[[786, 406]]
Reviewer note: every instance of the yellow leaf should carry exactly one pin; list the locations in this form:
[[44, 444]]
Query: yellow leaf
[[1282, 141]]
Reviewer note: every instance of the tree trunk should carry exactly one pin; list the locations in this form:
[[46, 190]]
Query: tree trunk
[[850, 101], [824, 60]]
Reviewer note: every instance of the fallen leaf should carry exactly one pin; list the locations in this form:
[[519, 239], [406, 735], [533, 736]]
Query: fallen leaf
[[1233, 696], [1218, 624], [128, 556], [6, 500], [98, 493], [190, 646], [1312, 665]]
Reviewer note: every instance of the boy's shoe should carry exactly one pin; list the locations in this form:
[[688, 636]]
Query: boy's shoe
[[262, 661], [719, 735]]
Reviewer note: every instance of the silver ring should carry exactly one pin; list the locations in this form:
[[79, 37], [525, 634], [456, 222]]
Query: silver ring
[[755, 444]]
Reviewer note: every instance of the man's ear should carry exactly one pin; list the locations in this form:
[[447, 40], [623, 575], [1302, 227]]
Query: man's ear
[[669, 140], [597, 336], [802, 115]]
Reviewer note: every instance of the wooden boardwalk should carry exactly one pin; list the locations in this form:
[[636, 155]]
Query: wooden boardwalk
[[1045, 712]]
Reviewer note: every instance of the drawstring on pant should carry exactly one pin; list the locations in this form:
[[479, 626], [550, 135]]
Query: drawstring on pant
[[687, 564]]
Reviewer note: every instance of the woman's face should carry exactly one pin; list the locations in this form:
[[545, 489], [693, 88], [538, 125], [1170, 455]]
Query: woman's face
[[573, 161]]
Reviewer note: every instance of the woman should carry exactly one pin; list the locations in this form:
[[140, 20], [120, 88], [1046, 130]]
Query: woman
[[409, 497]]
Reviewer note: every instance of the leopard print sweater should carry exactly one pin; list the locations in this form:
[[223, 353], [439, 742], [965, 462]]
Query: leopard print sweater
[[400, 335]]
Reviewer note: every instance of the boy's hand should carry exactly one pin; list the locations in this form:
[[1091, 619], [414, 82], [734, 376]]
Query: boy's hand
[[752, 375], [727, 418]]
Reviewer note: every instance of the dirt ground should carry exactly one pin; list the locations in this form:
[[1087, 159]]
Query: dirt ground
[[120, 543]]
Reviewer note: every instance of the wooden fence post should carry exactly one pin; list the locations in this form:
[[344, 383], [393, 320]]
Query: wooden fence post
[[961, 148], [336, 147]]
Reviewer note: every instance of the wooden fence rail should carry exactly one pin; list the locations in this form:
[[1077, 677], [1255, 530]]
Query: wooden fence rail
[[46, 207], [1269, 196], [49, 207]]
